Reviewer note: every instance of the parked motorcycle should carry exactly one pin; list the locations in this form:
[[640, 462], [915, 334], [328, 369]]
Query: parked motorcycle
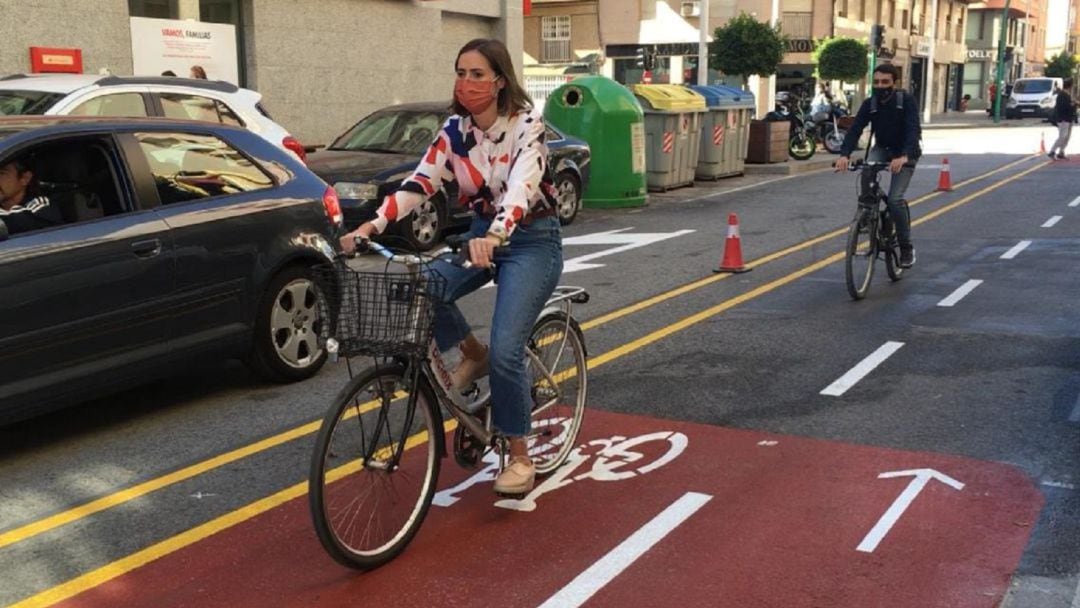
[[802, 144], [823, 126]]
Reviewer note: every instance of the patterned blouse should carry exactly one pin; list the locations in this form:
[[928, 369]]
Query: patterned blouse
[[501, 172]]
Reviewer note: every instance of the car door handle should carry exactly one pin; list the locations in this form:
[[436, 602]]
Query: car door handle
[[146, 249]]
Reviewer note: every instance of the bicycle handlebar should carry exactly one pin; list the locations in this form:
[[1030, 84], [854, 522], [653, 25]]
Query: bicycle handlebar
[[454, 244]]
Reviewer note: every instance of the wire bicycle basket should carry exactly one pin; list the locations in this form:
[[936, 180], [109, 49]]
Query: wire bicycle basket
[[377, 314]]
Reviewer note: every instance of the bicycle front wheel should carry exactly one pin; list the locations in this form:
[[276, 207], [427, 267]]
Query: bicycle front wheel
[[860, 254], [375, 467], [558, 373]]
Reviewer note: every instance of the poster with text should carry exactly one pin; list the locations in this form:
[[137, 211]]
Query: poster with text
[[169, 45]]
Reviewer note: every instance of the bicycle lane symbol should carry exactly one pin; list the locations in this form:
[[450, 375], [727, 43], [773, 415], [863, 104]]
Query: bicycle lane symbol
[[614, 458]]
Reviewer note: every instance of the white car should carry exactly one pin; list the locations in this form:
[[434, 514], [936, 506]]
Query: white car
[[123, 96]]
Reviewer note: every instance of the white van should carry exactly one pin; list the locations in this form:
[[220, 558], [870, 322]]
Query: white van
[[1032, 97]]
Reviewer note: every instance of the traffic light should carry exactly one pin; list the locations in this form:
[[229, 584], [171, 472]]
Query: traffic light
[[645, 59], [1009, 53], [877, 36]]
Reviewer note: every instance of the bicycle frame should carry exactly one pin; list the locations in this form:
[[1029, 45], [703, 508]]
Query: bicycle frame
[[433, 367]]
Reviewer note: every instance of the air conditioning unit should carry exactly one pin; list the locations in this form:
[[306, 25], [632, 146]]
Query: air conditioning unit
[[690, 8]]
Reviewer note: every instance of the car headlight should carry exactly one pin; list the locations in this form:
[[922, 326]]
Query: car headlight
[[1046, 101], [1011, 103], [356, 191]]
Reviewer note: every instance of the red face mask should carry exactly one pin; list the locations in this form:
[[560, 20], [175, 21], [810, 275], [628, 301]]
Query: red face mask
[[475, 95]]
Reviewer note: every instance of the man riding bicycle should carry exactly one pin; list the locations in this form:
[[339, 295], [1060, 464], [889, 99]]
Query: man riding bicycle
[[894, 118]]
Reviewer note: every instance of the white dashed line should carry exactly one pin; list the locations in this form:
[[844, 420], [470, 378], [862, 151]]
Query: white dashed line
[[1050, 222], [860, 371], [960, 292], [1059, 484], [1010, 254], [611, 565], [1075, 202]]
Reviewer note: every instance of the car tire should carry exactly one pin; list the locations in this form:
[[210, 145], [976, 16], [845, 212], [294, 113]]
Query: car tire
[[568, 192], [422, 229], [285, 346]]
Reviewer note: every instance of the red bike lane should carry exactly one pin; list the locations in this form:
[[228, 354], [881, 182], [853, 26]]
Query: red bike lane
[[649, 513]]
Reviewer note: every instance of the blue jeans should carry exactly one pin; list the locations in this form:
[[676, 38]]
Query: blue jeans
[[898, 207], [527, 275]]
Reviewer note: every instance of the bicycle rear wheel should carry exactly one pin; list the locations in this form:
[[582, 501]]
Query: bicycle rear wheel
[[860, 253], [559, 395], [375, 467]]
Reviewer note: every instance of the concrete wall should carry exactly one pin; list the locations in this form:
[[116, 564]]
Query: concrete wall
[[321, 65], [99, 27]]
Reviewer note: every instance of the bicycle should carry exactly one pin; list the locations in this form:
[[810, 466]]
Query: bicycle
[[872, 233], [379, 449]]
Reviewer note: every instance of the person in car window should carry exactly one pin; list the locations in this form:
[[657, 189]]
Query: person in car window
[[493, 147], [22, 206]]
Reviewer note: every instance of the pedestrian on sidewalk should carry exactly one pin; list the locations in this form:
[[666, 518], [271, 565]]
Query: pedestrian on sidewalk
[[893, 115], [1063, 115]]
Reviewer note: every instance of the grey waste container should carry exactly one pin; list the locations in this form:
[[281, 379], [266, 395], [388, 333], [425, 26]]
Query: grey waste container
[[672, 133], [725, 131]]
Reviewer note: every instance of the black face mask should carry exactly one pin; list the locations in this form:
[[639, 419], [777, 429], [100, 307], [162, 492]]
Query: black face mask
[[883, 93]]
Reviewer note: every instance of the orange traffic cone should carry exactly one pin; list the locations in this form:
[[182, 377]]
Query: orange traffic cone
[[944, 180], [732, 261], [1042, 143]]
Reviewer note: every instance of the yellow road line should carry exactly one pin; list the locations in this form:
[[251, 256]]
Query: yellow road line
[[46, 524], [674, 293]]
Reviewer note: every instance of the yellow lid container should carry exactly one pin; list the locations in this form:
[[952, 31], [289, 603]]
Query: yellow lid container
[[669, 97]]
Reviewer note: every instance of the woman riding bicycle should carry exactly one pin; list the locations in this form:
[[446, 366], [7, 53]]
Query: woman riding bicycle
[[493, 147]]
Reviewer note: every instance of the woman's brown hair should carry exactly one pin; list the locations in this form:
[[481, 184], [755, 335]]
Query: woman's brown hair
[[512, 97]]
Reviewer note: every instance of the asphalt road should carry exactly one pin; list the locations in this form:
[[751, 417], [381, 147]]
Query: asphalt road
[[994, 378]]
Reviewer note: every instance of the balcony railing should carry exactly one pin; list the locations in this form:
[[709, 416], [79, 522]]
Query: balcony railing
[[555, 51], [797, 26]]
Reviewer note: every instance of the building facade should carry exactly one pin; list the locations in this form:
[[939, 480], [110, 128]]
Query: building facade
[[320, 65], [614, 33], [1024, 45]]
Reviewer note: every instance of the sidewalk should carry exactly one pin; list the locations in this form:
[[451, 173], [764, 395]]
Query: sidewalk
[[975, 119]]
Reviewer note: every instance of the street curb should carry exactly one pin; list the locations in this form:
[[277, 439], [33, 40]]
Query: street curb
[[792, 167]]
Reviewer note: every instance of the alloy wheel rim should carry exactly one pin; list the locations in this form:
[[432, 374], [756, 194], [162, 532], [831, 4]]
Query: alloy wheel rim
[[294, 324]]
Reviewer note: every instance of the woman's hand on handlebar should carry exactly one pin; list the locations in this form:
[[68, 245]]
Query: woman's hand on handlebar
[[482, 250], [841, 164], [348, 241]]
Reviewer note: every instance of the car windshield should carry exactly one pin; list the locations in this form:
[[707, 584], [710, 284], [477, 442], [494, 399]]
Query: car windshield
[[394, 131], [1042, 85], [15, 103]]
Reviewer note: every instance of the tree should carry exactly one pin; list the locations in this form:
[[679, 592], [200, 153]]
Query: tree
[[1062, 65], [841, 58], [745, 46]]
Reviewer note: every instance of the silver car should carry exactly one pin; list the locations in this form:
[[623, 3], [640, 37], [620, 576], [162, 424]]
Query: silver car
[[136, 96]]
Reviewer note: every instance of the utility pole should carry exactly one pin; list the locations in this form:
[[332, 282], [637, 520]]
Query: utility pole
[[703, 44], [999, 79], [930, 62]]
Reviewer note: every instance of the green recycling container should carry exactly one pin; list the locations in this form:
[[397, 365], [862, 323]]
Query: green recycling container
[[604, 114]]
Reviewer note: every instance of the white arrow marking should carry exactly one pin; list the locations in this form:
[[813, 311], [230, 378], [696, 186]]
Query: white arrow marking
[[626, 242], [882, 527]]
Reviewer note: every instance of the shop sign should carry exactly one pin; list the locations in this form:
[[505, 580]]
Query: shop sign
[[922, 48], [64, 61], [800, 46], [982, 53], [158, 45]]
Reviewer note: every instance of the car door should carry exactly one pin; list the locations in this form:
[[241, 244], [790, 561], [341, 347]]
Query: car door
[[213, 198], [83, 302]]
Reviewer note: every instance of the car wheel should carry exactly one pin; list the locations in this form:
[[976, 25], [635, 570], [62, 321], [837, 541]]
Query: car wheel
[[423, 228], [569, 197], [286, 346]]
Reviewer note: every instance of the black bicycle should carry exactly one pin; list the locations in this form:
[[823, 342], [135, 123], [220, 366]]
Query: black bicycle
[[872, 233]]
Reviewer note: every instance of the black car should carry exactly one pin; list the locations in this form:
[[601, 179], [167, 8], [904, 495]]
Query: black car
[[179, 240], [369, 161]]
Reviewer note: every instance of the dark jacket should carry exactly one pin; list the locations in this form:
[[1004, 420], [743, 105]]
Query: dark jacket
[[1064, 111], [895, 125], [34, 214]]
